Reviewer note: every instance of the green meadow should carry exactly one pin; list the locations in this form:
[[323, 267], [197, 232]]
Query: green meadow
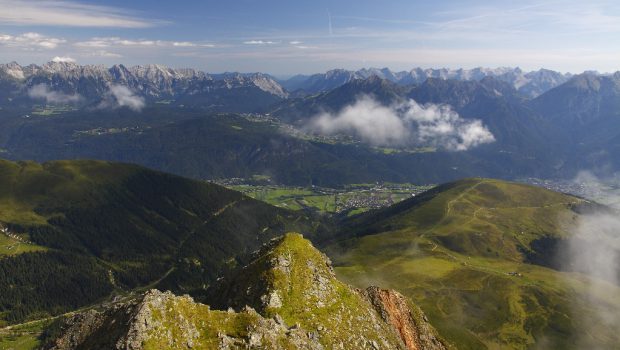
[[460, 253]]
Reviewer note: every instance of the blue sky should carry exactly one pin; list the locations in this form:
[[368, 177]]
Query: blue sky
[[295, 36]]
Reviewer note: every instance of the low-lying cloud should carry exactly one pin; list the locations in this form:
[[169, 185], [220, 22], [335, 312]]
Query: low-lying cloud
[[42, 91], [407, 123], [593, 248], [122, 96]]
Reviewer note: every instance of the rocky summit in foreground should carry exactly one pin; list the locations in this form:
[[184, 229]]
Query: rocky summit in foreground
[[287, 298]]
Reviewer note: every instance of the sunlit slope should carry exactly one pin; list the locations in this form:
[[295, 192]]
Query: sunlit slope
[[79, 231], [460, 251]]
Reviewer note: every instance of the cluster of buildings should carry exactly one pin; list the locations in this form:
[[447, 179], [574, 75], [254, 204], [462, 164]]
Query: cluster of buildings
[[369, 201], [586, 189], [5, 230]]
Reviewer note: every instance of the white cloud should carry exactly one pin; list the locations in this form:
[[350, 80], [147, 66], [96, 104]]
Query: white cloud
[[367, 119], [68, 14], [103, 42], [121, 96], [593, 248], [260, 42], [190, 44], [440, 126], [30, 40], [43, 91], [138, 42], [183, 44], [103, 53], [404, 124], [63, 59], [296, 42]]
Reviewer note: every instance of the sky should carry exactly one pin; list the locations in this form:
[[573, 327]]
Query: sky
[[287, 37]]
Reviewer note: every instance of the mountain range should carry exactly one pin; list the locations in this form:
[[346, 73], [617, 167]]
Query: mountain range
[[141, 114], [67, 82], [528, 84], [155, 82]]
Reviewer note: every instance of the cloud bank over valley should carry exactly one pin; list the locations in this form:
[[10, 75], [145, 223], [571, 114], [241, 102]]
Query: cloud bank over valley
[[403, 124]]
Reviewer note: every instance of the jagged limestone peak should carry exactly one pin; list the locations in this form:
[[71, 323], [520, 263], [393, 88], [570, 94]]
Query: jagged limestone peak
[[288, 297], [290, 279]]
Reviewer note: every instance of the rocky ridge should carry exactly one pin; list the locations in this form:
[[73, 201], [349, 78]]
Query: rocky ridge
[[152, 81], [287, 298], [529, 84]]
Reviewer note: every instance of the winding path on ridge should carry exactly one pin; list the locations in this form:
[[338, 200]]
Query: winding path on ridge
[[448, 210], [185, 239], [149, 286]]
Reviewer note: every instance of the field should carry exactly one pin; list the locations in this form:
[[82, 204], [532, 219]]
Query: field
[[460, 255], [23, 337], [12, 246], [51, 110]]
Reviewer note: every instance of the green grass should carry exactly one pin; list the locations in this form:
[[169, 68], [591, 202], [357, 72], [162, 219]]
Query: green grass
[[308, 292], [24, 337], [453, 251], [10, 246], [25, 186], [19, 341], [50, 110]]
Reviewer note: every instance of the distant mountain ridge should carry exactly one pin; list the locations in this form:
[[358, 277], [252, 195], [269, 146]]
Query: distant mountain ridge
[[529, 84], [91, 83], [192, 87]]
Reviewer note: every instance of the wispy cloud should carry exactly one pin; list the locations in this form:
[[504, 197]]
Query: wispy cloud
[[121, 96], [69, 14], [103, 42], [102, 53], [330, 28], [593, 15], [43, 92], [190, 44], [593, 248], [260, 42], [30, 41], [116, 41]]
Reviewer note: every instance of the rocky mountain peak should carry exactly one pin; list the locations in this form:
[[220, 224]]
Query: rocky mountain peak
[[287, 298], [13, 70], [152, 82]]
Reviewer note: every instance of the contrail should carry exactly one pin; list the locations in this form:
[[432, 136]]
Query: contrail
[[329, 19]]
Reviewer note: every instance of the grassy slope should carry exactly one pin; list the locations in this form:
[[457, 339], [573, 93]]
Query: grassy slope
[[308, 294], [103, 227], [451, 251]]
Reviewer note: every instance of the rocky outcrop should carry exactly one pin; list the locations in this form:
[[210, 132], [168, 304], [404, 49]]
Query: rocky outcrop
[[161, 320], [410, 323], [287, 298]]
